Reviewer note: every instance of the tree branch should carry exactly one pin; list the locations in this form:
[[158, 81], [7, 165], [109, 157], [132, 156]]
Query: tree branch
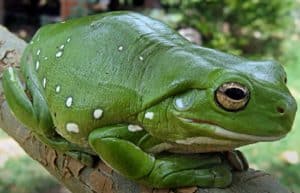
[[79, 178]]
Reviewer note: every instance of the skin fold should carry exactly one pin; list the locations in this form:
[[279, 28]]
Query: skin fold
[[153, 106]]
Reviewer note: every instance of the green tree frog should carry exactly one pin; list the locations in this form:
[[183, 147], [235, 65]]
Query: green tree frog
[[153, 106]]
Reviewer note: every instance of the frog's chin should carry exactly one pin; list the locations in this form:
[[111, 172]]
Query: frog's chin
[[219, 135]]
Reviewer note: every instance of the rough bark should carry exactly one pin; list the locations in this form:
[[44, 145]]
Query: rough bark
[[79, 178]]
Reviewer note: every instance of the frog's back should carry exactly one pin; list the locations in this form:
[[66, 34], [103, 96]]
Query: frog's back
[[87, 68]]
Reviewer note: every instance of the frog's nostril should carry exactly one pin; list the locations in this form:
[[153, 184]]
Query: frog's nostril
[[280, 110]]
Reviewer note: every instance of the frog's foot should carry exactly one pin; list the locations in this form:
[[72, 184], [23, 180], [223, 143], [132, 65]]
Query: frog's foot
[[118, 148], [237, 160], [184, 170]]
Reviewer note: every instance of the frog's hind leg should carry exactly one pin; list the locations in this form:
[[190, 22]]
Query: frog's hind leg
[[120, 149], [31, 111], [17, 99], [35, 115]]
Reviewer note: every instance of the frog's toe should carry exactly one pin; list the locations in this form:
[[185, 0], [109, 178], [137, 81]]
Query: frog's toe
[[237, 160], [222, 176]]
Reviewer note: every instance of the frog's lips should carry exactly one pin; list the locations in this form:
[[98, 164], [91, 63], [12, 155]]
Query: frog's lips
[[223, 133]]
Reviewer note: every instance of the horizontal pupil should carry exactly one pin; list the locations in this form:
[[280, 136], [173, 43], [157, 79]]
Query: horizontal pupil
[[235, 93]]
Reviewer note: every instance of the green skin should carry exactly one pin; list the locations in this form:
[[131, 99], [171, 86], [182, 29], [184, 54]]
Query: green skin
[[128, 88]]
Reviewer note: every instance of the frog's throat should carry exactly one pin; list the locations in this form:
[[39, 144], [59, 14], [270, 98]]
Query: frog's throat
[[223, 133]]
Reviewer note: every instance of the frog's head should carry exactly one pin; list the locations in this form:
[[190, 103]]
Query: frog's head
[[241, 104]]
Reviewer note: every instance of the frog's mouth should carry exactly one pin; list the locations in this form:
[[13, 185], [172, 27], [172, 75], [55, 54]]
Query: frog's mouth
[[221, 134]]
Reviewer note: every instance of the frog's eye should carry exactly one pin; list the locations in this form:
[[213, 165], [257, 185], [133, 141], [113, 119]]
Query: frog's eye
[[232, 96]]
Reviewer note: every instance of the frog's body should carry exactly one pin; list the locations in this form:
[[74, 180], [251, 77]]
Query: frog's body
[[122, 86]]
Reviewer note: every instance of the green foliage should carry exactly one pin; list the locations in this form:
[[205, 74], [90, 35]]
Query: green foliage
[[291, 59], [243, 27], [23, 176]]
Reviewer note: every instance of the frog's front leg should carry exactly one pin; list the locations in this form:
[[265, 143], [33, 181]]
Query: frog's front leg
[[117, 146]]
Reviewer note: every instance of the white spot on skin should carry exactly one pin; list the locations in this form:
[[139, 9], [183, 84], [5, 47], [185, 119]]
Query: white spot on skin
[[59, 54], [149, 115], [98, 113], [44, 82], [57, 89], [68, 40], [37, 65], [38, 52], [141, 58], [61, 47], [120, 48], [134, 128], [69, 101], [72, 128]]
